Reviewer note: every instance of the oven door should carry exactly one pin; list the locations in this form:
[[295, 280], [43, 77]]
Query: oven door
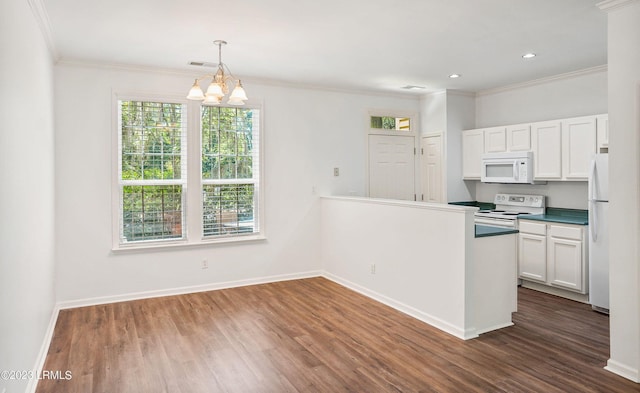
[[497, 222]]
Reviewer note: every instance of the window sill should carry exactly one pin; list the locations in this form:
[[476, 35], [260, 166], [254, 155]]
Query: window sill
[[183, 244]]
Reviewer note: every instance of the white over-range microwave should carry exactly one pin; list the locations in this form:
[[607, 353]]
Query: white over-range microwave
[[512, 167]]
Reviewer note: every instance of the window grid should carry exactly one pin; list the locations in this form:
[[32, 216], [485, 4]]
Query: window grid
[[152, 170], [229, 171]]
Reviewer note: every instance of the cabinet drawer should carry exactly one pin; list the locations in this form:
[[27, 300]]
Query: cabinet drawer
[[532, 227], [565, 232]]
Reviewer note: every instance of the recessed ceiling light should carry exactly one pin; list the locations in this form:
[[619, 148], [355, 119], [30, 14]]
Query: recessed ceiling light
[[413, 87], [529, 55], [454, 76]]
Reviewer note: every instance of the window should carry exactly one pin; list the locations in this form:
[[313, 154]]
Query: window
[[391, 123], [159, 201], [152, 170], [229, 170]]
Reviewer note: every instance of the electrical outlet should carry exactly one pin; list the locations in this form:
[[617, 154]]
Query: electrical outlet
[[336, 171], [205, 264], [373, 268]]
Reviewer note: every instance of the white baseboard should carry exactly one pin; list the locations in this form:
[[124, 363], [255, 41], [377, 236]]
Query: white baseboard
[[623, 370], [424, 317], [184, 290], [44, 349]]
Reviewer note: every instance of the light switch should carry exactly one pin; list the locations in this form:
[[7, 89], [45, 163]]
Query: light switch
[[336, 171]]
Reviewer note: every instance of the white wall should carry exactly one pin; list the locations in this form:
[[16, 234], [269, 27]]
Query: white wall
[[307, 133], [450, 112], [27, 197], [423, 256], [460, 116], [570, 95], [624, 167]]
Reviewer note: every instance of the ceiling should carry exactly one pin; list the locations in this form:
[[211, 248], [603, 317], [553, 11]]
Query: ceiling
[[378, 45]]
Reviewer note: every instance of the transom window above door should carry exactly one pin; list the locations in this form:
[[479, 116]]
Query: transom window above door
[[390, 123]]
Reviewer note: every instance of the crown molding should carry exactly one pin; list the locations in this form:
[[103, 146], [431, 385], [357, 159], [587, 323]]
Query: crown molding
[[42, 20], [245, 80], [610, 5], [542, 81], [450, 92]]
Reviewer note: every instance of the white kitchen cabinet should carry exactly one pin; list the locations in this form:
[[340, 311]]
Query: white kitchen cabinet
[[566, 257], [472, 150], [519, 137], [602, 133], [554, 254], [546, 144], [578, 147], [532, 251], [563, 149], [495, 140]]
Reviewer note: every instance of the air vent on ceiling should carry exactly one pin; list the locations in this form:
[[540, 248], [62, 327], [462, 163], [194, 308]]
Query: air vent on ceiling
[[203, 64], [412, 87]]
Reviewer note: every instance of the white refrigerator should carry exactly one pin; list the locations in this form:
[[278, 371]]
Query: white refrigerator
[[599, 233]]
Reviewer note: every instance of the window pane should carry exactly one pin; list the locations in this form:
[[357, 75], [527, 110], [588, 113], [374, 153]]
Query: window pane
[[151, 212], [228, 209], [227, 143], [151, 140], [391, 123]]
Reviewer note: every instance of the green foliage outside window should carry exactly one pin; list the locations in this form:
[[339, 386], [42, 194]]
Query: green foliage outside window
[[151, 136], [227, 155]]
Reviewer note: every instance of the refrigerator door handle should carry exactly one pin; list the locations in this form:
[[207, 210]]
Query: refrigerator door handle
[[593, 220], [592, 180]]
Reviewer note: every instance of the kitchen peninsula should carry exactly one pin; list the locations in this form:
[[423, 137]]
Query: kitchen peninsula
[[427, 260]]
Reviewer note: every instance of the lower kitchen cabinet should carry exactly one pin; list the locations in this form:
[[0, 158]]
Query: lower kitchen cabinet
[[553, 254], [532, 252]]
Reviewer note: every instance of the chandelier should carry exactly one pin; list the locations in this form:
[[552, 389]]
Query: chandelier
[[219, 86]]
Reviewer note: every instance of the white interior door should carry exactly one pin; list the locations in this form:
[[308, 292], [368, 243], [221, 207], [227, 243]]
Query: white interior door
[[392, 167], [431, 169]]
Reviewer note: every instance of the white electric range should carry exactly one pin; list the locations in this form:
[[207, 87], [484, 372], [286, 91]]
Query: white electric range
[[508, 208]]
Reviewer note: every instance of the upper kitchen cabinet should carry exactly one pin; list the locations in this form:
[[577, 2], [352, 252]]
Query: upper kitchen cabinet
[[578, 147], [495, 140], [563, 149], [546, 143], [506, 139], [519, 137], [602, 133], [472, 150]]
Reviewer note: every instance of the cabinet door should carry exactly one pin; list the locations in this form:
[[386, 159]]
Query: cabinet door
[[602, 131], [532, 257], [565, 263], [472, 150], [495, 140], [578, 147], [546, 143], [519, 137]]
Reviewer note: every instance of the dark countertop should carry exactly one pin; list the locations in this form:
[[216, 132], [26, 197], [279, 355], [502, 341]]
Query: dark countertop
[[481, 205], [486, 230], [564, 216]]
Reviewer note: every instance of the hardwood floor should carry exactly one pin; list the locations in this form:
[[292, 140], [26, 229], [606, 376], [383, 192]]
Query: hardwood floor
[[314, 335]]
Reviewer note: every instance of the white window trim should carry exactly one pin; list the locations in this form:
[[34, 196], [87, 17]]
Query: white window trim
[[192, 193]]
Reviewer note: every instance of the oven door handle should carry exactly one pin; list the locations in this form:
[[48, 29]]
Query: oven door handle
[[496, 222]]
